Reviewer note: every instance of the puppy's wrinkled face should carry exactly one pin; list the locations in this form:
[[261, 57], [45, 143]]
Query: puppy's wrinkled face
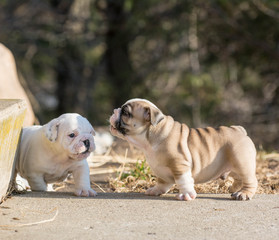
[[134, 117], [73, 133]]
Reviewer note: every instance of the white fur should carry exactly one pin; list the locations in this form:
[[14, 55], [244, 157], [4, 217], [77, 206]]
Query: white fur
[[185, 183], [47, 153], [21, 183]]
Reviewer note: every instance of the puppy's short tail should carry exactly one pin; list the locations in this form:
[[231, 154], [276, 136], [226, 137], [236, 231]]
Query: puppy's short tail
[[240, 129]]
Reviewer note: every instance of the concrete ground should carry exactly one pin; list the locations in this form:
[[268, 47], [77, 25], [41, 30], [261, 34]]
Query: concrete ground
[[58, 215]]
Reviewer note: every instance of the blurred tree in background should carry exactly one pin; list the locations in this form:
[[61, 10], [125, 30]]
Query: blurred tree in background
[[204, 62]]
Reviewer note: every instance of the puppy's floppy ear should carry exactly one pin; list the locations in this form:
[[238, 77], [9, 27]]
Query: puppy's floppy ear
[[153, 115], [51, 129], [93, 132]]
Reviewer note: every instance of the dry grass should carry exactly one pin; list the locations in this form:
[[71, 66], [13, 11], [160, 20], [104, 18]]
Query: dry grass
[[268, 172], [138, 179]]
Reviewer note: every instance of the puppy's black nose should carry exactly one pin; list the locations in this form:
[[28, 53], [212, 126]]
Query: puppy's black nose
[[86, 143]]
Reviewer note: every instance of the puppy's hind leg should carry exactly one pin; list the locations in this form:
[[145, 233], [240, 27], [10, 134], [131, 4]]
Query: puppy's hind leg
[[245, 169], [161, 188], [237, 183], [249, 187]]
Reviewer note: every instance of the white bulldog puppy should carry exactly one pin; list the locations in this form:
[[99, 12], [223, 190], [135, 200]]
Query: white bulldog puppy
[[50, 152], [184, 156]]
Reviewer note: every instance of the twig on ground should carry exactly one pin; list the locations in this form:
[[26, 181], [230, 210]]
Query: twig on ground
[[32, 223], [97, 185], [123, 165]]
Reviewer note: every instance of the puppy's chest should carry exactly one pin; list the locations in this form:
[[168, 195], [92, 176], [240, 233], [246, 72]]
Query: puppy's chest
[[56, 172], [159, 167]]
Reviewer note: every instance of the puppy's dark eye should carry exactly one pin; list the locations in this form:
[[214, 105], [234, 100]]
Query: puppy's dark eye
[[72, 135], [125, 113]]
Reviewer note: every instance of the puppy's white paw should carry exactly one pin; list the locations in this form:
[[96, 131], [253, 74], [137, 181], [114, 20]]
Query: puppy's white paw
[[154, 191], [186, 196], [50, 188], [85, 192], [21, 183]]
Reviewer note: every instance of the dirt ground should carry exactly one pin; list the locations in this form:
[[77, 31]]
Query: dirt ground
[[60, 215]]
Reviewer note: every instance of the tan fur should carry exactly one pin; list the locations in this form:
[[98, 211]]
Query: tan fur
[[182, 155]]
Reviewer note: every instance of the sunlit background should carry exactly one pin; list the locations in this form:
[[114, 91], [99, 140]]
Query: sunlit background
[[203, 62]]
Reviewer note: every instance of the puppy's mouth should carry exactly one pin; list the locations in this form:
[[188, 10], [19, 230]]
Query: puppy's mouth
[[118, 127], [83, 149], [85, 152], [116, 124], [82, 155]]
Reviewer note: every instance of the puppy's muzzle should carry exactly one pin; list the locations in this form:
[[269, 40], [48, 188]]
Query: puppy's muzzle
[[86, 144], [115, 121]]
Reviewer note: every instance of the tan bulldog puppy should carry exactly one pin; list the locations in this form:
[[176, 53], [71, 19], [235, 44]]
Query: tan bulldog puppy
[[50, 152], [183, 156]]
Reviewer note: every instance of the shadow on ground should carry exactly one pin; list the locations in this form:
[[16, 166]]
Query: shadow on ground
[[136, 196]]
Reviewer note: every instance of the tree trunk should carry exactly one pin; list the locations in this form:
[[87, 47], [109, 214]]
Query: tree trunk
[[195, 66], [118, 63]]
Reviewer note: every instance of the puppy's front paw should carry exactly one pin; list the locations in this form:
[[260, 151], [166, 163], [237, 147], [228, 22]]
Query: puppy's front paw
[[188, 196], [242, 195], [154, 191], [85, 192]]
